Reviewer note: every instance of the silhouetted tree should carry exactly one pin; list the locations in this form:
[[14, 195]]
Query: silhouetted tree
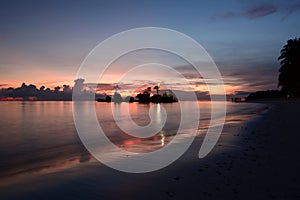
[[129, 99], [42, 88], [147, 90], [289, 79], [56, 89], [108, 99], [23, 85], [156, 88], [143, 97], [66, 88], [78, 86]]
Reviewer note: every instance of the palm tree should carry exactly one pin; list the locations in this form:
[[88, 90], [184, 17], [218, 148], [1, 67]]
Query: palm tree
[[156, 88], [289, 79], [116, 88], [149, 89]]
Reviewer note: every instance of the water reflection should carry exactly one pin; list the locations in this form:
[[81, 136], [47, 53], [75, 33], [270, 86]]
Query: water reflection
[[47, 162], [40, 137], [158, 113], [158, 122], [162, 139]]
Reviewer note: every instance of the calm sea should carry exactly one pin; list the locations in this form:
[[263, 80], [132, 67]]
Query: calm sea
[[41, 136]]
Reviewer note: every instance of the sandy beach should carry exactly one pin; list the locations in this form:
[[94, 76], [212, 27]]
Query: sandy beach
[[255, 160]]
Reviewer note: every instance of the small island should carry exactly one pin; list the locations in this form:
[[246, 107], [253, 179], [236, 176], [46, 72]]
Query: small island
[[143, 97]]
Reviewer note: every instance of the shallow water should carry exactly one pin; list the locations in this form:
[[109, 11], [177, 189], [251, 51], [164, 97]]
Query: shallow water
[[40, 137]]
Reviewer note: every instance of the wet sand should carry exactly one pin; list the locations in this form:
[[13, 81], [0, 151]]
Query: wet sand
[[256, 160]]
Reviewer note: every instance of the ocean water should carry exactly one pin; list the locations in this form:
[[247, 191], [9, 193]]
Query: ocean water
[[40, 136]]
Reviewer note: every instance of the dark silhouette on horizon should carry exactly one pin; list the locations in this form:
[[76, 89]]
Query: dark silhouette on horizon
[[269, 94], [32, 93], [82, 91], [288, 79], [144, 97], [156, 88], [116, 97], [288, 82]]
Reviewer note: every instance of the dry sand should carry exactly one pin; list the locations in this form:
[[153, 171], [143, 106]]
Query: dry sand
[[258, 160]]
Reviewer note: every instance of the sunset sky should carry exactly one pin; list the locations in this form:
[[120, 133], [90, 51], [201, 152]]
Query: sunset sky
[[44, 42]]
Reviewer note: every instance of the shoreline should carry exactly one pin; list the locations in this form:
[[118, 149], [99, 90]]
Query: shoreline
[[245, 164]]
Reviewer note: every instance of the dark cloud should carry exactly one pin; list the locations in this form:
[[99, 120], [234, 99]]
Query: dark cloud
[[103, 86], [261, 10], [3, 85], [242, 93], [260, 78], [197, 83], [192, 75], [188, 71], [110, 86]]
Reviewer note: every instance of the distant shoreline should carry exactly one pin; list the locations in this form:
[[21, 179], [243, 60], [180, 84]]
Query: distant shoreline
[[205, 100]]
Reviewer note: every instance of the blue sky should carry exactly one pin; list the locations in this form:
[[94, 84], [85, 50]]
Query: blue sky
[[44, 42]]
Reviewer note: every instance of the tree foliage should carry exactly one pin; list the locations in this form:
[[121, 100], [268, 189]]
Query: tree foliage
[[289, 79]]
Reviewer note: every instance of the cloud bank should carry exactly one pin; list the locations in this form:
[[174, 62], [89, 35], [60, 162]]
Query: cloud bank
[[261, 9]]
